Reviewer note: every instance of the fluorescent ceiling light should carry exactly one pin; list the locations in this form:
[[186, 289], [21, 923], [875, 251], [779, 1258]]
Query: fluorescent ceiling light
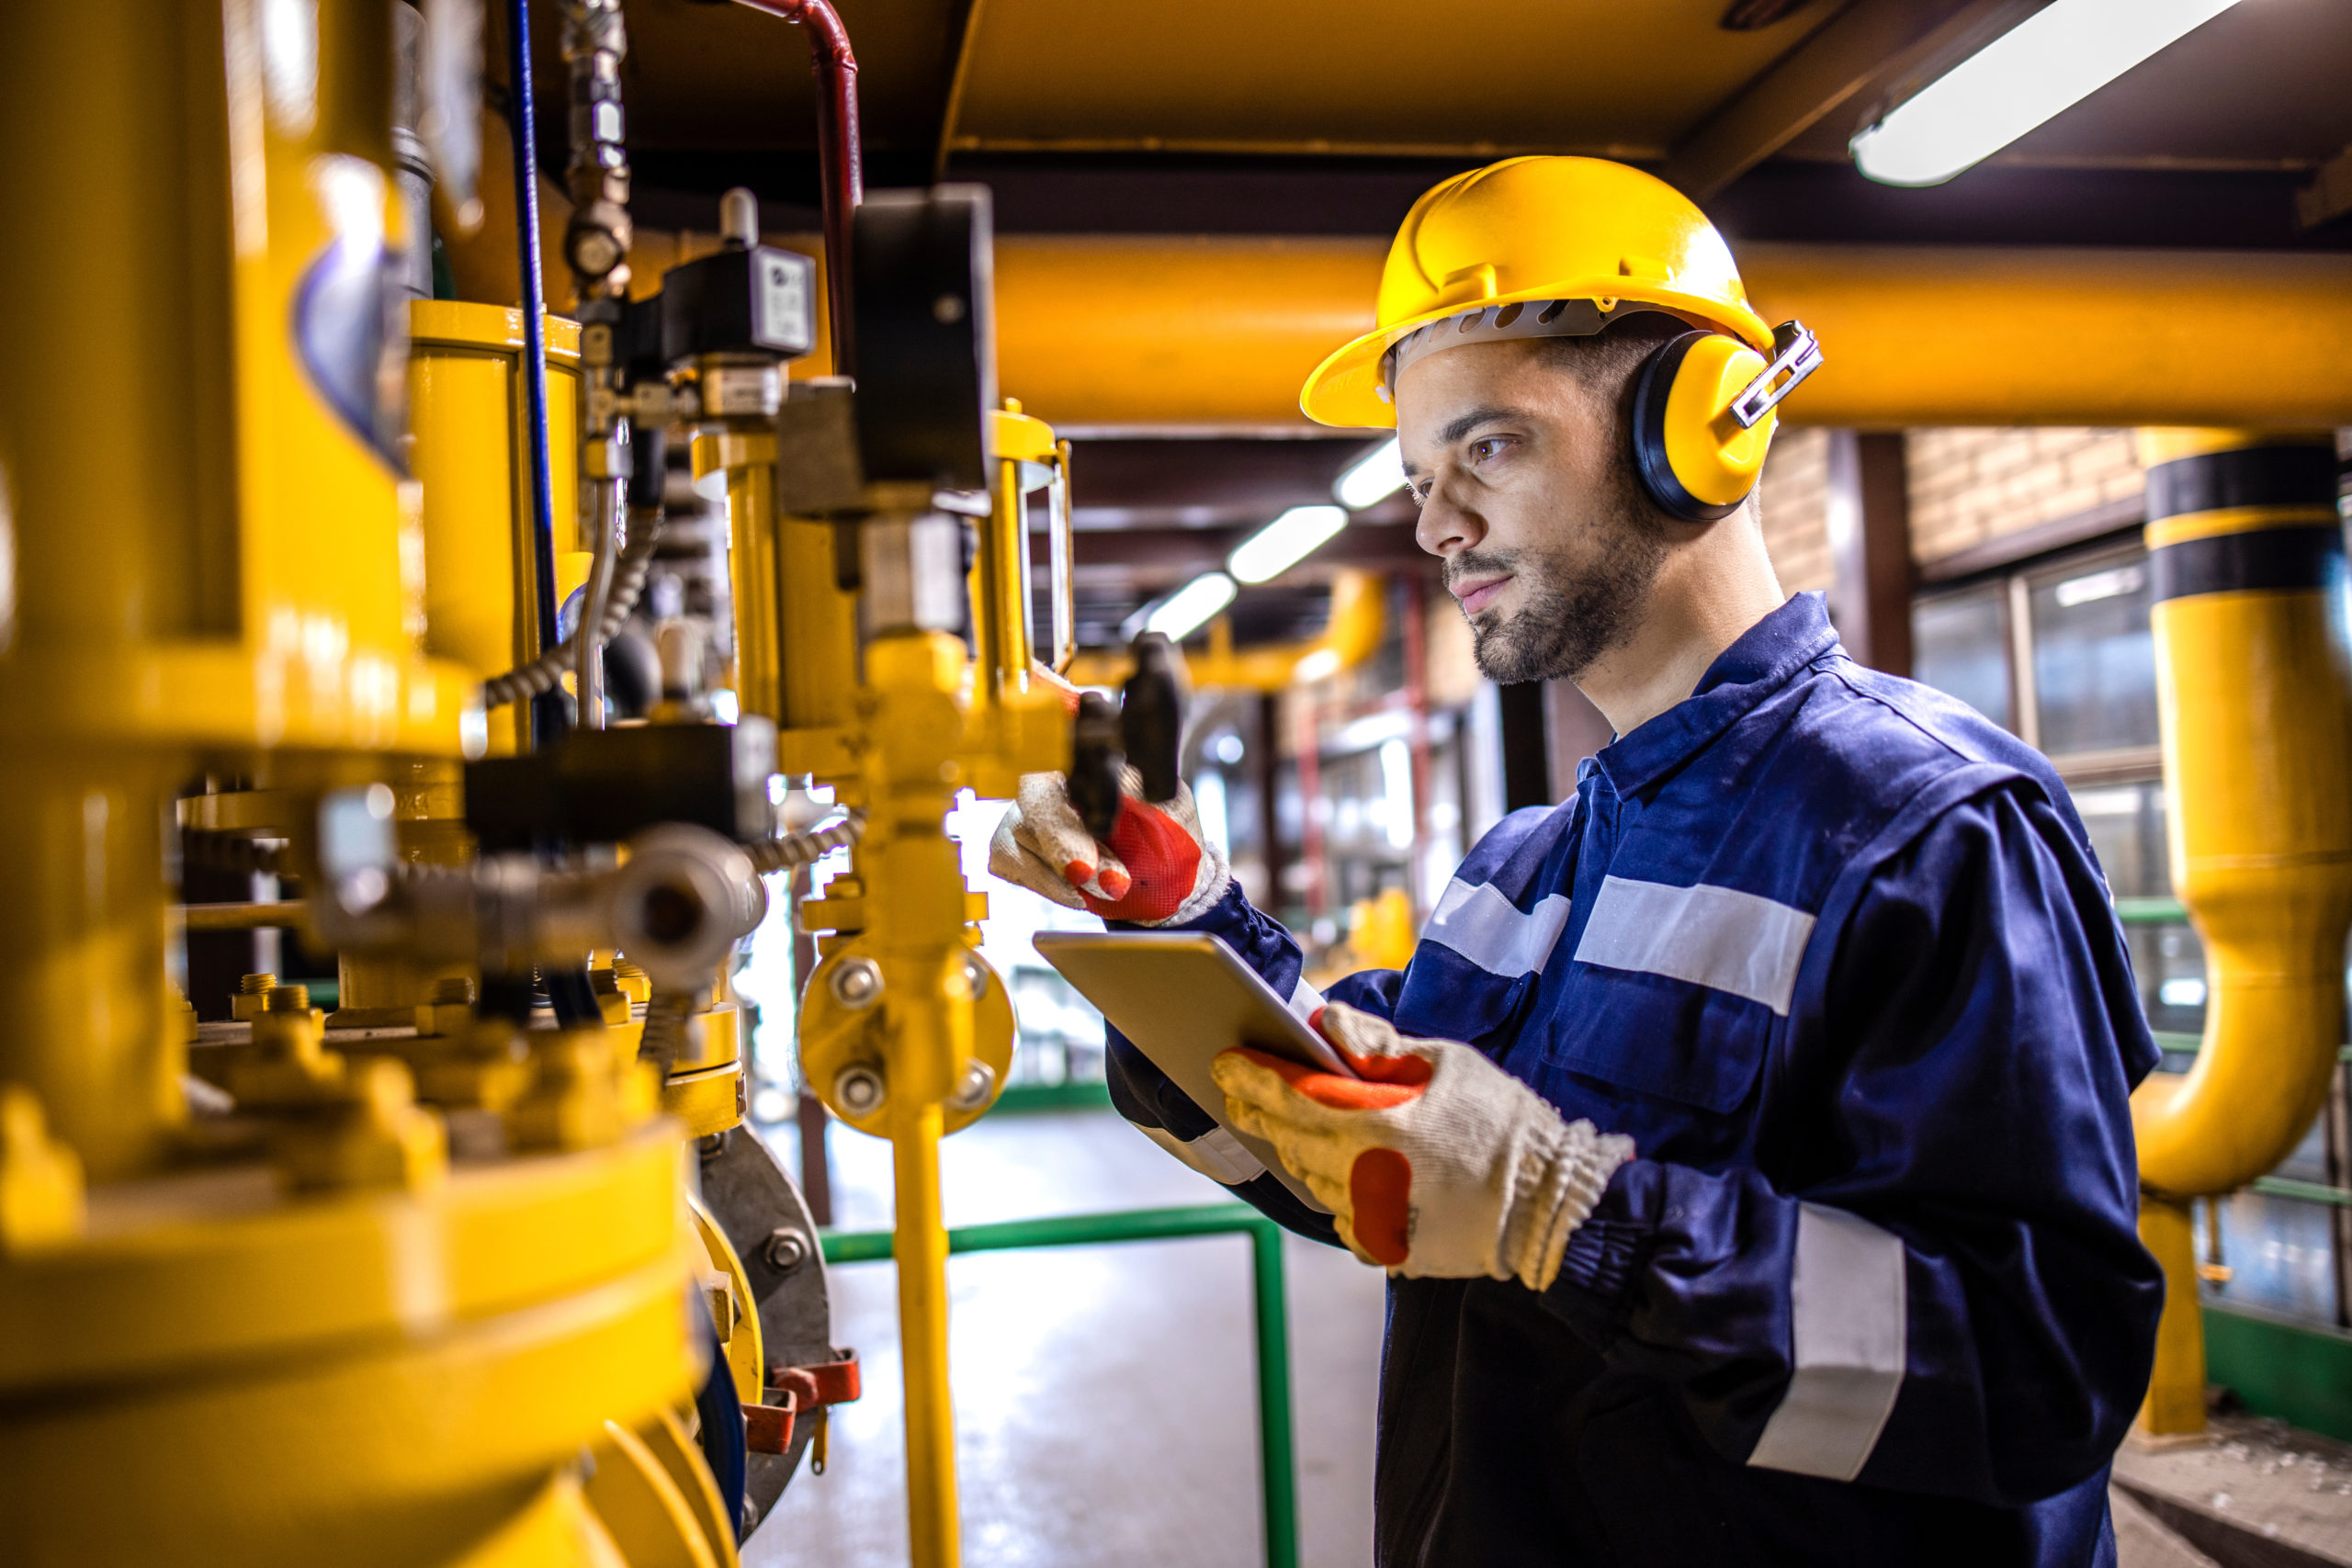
[[1185, 610], [1375, 476], [1319, 665], [2055, 58], [1284, 543]]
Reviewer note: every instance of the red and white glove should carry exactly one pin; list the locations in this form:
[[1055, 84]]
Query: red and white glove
[[1156, 870], [1436, 1163]]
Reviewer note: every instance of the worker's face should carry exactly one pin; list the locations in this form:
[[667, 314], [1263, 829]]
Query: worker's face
[[1548, 545]]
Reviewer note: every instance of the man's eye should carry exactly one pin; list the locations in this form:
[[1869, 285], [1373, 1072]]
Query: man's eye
[[1488, 446]]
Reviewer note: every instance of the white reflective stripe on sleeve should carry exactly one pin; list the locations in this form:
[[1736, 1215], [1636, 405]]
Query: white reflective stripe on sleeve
[[1304, 1000], [1846, 1302], [1717, 937], [1490, 930], [1216, 1154]]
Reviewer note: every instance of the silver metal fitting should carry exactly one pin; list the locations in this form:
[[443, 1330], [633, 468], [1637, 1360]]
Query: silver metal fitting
[[787, 1250], [739, 218], [979, 1082], [857, 983], [859, 1091], [914, 573], [682, 900], [738, 392]]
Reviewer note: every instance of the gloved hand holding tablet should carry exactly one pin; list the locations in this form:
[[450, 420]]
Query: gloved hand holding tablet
[[1182, 996]]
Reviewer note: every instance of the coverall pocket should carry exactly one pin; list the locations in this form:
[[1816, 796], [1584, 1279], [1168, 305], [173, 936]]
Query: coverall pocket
[[1662, 1037]]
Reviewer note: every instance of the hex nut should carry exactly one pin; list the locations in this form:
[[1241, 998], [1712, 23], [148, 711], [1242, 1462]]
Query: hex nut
[[859, 1091], [979, 1082], [857, 983], [787, 1250]]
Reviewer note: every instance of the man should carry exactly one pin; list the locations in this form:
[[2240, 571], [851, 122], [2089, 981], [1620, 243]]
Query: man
[[1747, 1140]]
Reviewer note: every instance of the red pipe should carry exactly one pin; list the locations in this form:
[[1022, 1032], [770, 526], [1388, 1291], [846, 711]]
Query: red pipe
[[839, 155]]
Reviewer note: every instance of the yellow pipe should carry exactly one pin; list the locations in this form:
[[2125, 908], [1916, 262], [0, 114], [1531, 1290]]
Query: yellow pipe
[[1351, 636], [2254, 684], [468, 414], [999, 587], [747, 460], [2176, 1401], [1206, 330], [919, 1244]]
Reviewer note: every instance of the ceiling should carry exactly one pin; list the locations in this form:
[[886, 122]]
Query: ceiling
[[1328, 116]]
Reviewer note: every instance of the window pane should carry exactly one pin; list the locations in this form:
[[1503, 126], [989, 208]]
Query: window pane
[[2094, 661], [2126, 823], [1960, 646]]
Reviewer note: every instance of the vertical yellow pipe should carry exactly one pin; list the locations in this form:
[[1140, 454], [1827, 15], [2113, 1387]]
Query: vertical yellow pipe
[[1001, 653], [2254, 681], [83, 926], [920, 1246], [470, 455], [819, 623], [2176, 1401], [747, 459]]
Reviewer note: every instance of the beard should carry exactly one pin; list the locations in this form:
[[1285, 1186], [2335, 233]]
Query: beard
[[1582, 597]]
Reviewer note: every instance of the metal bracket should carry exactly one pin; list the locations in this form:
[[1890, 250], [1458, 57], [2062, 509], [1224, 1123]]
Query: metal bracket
[[1796, 354]]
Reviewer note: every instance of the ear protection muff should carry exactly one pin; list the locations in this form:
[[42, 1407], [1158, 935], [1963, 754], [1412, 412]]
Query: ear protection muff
[[1702, 416]]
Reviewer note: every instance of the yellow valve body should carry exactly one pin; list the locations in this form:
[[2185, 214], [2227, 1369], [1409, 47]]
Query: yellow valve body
[[376, 1379], [469, 412]]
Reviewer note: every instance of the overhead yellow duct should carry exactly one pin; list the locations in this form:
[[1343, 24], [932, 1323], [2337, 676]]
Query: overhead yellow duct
[[2255, 695], [1206, 331], [1348, 637]]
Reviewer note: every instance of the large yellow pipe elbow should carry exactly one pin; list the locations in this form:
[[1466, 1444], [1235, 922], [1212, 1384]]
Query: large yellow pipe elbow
[[2254, 691], [2254, 687]]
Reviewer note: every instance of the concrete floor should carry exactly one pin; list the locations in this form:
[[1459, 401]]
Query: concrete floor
[[1105, 1394]]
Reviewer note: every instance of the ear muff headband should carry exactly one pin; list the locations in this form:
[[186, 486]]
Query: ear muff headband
[[1680, 459]]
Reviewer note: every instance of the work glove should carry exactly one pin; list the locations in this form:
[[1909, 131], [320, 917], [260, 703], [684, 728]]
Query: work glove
[[1436, 1163], [1157, 870]]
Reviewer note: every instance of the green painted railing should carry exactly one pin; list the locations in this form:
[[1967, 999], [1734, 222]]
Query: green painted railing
[[2151, 912], [1277, 1466], [1073, 1094]]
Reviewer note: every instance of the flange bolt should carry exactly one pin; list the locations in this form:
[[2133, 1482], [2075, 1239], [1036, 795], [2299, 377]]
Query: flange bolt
[[859, 1091], [857, 983], [787, 1250], [979, 1082]]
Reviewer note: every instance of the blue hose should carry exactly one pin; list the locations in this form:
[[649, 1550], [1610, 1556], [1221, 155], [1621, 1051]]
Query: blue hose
[[547, 712], [722, 1424]]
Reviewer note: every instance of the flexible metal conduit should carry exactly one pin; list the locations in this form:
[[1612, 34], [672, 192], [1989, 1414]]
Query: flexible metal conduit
[[840, 157], [2254, 683], [521, 121]]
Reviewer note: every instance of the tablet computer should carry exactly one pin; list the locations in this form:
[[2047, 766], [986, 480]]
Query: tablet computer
[[1182, 996]]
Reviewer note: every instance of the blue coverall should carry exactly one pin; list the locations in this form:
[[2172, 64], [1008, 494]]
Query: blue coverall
[[1834, 951]]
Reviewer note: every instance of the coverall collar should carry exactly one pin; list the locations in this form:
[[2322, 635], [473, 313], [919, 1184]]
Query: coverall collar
[[1766, 656]]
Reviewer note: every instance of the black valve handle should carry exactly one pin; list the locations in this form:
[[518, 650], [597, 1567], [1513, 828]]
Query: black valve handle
[[1144, 728], [1096, 756], [1151, 721]]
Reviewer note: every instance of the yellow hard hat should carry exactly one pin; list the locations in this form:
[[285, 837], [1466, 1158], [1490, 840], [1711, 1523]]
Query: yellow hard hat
[[1533, 231]]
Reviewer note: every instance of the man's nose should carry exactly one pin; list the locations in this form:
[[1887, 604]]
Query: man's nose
[[1445, 526]]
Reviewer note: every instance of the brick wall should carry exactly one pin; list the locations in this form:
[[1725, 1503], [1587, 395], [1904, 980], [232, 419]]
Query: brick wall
[[1971, 485], [1794, 493]]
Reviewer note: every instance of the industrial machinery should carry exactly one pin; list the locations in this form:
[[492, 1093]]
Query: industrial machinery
[[319, 591]]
